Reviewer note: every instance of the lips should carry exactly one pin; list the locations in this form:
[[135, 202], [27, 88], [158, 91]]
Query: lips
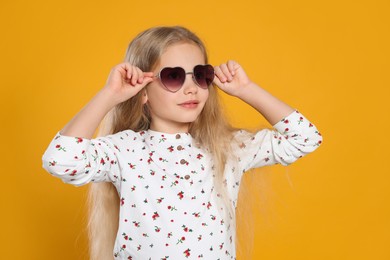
[[190, 104]]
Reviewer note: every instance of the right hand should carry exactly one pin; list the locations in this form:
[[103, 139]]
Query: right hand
[[126, 80]]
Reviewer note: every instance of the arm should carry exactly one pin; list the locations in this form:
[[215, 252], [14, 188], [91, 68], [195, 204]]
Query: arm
[[123, 83], [232, 79], [72, 155], [294, 136]]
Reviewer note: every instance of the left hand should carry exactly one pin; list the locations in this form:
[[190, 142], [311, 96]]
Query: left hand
[[231, 77]]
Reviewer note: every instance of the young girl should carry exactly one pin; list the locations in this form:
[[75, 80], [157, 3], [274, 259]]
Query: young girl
[[174, 161]]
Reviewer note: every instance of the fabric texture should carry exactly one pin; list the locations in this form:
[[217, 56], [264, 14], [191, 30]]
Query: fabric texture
[[165, 182]]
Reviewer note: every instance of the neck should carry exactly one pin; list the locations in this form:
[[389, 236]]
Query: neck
[[170, 128]]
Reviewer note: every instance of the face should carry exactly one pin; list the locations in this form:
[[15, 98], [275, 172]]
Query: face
[[173, 112]]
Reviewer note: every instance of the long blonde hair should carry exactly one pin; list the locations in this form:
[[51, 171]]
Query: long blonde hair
[[211, 130]]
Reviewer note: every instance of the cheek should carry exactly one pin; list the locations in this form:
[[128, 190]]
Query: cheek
[[206, 95], [157, 99]]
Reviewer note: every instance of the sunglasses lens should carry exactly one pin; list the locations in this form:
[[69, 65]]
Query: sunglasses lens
[[204, 75], [173, 78]]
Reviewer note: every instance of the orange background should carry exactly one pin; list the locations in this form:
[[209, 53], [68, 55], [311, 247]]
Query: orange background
[[328, 59]]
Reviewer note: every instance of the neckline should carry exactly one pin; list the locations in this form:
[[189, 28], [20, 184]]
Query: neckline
[[180, 137]]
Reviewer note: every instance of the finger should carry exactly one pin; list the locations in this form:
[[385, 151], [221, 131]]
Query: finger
[[127, 70], [232, 66], [140, 75], [226, 71], [135, 76], [219, 74]]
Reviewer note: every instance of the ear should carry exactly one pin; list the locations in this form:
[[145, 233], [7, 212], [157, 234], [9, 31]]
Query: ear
[[144, 96]]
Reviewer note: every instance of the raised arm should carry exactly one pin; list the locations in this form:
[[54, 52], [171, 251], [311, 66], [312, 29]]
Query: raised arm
[[232, 79], [293, 135], [123, 83], [73, 155]]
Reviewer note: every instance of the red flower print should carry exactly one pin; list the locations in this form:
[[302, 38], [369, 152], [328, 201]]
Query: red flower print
[[285, 121], [122, 201], [155, 215], [60, 148], [172, 208], [79, 140], [53, 163], [102, 161], [180, 240], [73, 173], [180, 194], [126, 237], [170, 148], [136, 224], [132, 166], [186, 229], [199, 156], [157, 229], [187, 252]]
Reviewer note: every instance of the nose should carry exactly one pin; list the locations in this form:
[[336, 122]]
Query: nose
[[189, 85]]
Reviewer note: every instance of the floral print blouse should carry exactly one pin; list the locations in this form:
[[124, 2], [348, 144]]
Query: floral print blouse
[[168, 203]]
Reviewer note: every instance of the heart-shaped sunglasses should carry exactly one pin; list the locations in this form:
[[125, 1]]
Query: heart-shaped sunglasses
[[173, 78]]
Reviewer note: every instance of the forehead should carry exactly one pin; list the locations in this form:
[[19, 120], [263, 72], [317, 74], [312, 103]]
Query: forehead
[[185, 55]]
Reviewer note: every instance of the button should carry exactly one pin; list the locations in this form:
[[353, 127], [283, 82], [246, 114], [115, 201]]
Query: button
[[182, 161], [178, 136], [179, 148], [187, 177]]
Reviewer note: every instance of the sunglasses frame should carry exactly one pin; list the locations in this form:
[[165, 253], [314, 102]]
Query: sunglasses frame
[[186, 73]]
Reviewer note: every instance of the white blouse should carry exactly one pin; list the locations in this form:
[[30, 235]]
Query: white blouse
[[165, 182]]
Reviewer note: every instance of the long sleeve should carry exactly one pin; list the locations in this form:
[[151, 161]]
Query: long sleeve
[[292, 138], [79, 161]]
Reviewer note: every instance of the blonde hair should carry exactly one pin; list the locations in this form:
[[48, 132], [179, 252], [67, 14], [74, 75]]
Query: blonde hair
[[210, 130]]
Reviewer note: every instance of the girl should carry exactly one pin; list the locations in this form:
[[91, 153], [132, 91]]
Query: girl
[[174, 161]]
